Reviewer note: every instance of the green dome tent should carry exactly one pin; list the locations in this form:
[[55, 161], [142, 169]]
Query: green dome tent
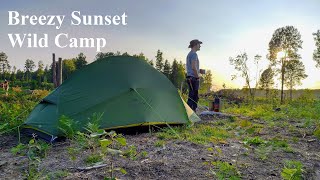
[[127, 90]]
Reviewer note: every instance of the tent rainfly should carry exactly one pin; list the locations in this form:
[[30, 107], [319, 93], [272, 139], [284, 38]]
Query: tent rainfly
[[127, 90]]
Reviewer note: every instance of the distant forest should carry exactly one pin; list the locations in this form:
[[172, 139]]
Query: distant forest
[[39, 76]]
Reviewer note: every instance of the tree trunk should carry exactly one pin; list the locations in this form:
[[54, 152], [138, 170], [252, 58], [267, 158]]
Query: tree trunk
[[60, 71], [291, 91], [54, 72], [282, 77]]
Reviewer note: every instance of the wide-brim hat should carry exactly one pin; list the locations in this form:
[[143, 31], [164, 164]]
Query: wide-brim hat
[[194, 42]]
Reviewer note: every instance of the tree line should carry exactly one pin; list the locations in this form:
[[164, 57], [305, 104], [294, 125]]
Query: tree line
[[40, 76]]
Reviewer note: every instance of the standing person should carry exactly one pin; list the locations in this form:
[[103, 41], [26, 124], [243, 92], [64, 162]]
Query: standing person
[[193, 73]]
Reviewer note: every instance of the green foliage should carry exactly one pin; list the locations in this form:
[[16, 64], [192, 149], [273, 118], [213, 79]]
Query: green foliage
[[73, 152], [301, 108], [93, 158], [33, 173], [57, 174], [93, 124], [35, 151], [240, 64], [294, 74], [4, 64], [206, 82], [16, 107], [159, 143], [110, 143], [18, 149], [112, 146], [263, 151], [68, 126], [266, 80], [288, 40], [316, 53], [159, 61], [232, 119], [225, 170], [200, 134], [255, 141], [68, 67], [292, 170], [131, 152], [166, 68], [316, 132], [80, 61]]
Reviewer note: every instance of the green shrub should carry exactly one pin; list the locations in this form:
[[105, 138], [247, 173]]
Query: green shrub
[[316, 133], [226, 170], [292, 170]]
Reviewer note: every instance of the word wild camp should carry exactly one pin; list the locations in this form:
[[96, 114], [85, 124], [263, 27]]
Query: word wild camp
[[62, 40]]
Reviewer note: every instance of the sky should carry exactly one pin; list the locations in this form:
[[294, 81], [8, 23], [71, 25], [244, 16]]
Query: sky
[[226, 28]]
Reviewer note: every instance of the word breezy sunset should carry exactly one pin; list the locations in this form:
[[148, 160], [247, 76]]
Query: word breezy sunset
[[61, 40], [57, 20]]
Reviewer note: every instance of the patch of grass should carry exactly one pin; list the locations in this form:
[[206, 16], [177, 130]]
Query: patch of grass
[[263, 151], [255, 141], [144, 154], [225, 170], [216, 151], [316, 133], [292, 170], [232, 119], [295, 139], [199, 134], [288, 149], [93, 158], [159, 143], [19, 149], [57, 174], [244, 123], [280, 143], [131, 152], [297, 109], [172, 133]]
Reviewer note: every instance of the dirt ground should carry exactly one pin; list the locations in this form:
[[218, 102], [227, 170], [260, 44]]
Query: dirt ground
[[176, 159]]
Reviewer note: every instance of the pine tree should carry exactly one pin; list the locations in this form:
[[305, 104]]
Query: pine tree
[[266, 80], [40, 72], [166, 68], [80, 61], [316, 53], [294, 73], [181, 75], [159, 61], [287, 40], [151, 63], [174, 73], [29, 66], [4, 65]]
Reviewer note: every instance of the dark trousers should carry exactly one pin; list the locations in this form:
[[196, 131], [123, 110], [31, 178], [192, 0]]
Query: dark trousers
[[193, 98]]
